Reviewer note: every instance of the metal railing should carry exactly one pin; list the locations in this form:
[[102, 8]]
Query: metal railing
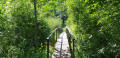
[[55, 34], [71, 41]]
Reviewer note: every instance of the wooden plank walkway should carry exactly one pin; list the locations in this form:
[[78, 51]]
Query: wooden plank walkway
[[62, 47]]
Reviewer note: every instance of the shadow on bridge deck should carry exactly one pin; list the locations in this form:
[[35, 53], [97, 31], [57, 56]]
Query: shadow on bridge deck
[[62, 47]]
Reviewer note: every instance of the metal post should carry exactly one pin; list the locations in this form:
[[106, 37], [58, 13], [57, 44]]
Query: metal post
[[70, 42], [73, 49], [47, 48], [53, 38], [58, 32], [56, 35], [53, 35], [66, 33]]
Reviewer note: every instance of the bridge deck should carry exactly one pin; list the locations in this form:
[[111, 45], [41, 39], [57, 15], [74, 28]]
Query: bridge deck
[[62, 47]]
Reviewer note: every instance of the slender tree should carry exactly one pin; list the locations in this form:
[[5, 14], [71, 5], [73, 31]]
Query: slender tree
[[35, 20]]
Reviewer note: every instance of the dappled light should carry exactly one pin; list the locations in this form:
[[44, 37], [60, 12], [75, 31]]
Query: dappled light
[[62, 47], [59, 28]]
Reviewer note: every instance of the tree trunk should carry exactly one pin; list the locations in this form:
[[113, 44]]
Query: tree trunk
[[35, 22]]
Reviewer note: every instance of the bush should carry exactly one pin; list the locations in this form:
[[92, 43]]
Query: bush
[[17, 30], [97, 27]]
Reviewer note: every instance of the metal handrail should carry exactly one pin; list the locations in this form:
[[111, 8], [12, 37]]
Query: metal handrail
[[48, 38], [69, 35], [52, 33]]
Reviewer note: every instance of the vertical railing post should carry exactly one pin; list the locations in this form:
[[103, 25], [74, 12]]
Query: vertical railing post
[[73, 49], [70, 41], [53, 38], [56, 35], [53, 35], [66, 32], [47, 48], [58, 32]]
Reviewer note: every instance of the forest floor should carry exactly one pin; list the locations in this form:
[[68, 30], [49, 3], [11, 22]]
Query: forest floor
[[62, 47]]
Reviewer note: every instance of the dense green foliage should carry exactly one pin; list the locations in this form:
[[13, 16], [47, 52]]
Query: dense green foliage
[[94, 23], [17, 28], [96, 26]]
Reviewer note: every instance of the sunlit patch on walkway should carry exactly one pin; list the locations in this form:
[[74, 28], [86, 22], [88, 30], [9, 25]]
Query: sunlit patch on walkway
[[62, 47]]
